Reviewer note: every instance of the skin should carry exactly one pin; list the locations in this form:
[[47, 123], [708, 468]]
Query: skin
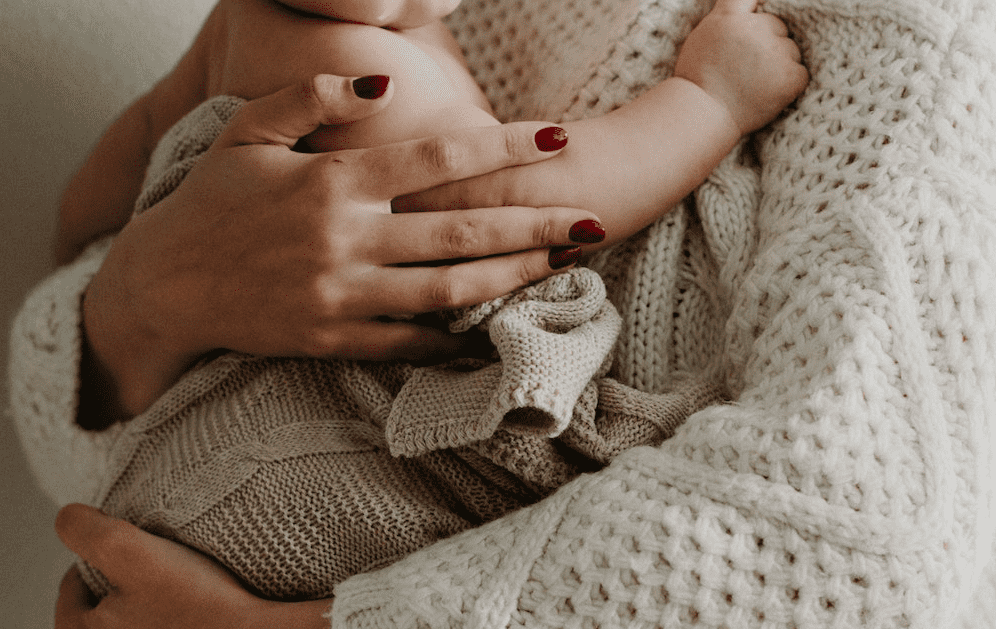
[[631, 165], [736, 72], [253, 48]]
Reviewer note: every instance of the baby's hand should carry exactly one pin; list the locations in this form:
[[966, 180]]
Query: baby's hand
[[745, 60]]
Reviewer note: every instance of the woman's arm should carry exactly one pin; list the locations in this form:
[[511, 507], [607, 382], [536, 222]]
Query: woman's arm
[[101, 196]]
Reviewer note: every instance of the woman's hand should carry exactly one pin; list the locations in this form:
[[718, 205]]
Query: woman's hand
[[158, 584], [269, 251]]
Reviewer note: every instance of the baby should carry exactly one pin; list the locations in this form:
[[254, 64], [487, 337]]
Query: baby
[[360, 507]]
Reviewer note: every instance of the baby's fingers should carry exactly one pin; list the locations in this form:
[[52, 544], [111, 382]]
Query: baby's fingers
[[287, 116]]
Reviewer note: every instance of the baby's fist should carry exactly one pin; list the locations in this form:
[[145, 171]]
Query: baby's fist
[[746, 61]]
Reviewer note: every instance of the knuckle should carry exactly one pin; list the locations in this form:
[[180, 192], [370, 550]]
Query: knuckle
[[525, 272], [314, 94], [544, 231], [328, 180], [441, 155], [459, 239], [443, 292], [512, 144], [316, 335], [505, 189]]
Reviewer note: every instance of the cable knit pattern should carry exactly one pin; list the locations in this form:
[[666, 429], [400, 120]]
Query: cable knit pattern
[[849, 484]]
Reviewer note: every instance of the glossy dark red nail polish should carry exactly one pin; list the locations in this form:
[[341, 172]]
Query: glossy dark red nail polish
[[371, 87], [551, 139], [561, 257], [587, 231]]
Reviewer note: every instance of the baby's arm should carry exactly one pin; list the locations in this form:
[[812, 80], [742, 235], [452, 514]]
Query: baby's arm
[[736, 72]]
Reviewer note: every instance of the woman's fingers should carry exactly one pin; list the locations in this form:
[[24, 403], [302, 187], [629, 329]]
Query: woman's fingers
[[419, 289], [295, 111], [397, 340], [475, 233], [388, 171], [103, 542]]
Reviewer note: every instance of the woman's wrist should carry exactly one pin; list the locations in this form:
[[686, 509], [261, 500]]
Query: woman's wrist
[[128, 361]]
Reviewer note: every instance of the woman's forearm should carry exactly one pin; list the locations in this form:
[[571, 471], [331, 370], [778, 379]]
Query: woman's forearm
[[100, 196]]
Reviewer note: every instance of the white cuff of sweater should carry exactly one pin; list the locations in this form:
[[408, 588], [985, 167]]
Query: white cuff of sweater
[[45, 349]]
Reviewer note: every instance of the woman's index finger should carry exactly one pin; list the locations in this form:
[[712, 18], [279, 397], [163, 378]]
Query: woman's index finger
[[395, 169]]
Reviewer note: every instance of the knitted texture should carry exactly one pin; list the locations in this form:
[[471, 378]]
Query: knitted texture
[[288, 471], [849, 483], [849, 253]]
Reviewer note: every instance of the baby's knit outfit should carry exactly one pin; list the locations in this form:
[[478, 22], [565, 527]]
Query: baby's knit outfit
[[299, 473], [837, 273]]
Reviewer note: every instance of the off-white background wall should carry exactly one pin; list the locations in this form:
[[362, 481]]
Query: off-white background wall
[[67, 67]]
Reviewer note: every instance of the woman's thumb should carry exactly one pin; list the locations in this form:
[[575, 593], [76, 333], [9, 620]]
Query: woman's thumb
[[106, 543], [295, 111]]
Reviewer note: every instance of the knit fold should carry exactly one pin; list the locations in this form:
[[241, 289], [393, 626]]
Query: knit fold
[[553, 339]]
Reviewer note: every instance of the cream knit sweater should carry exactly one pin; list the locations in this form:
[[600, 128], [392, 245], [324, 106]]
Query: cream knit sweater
[[849, 482]]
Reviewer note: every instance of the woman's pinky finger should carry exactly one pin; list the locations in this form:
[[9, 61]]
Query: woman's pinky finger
[[399, 340]]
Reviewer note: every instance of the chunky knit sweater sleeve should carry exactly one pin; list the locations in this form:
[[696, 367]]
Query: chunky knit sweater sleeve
[[848, 483], [70, 464]]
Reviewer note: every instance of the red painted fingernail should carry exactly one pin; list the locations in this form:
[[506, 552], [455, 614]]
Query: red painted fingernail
[[551, 139], [561, 257], [371, 87], [587, 231]]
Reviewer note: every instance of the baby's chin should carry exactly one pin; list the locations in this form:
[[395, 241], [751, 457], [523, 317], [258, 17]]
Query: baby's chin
[[378, 130], [414, 13]]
